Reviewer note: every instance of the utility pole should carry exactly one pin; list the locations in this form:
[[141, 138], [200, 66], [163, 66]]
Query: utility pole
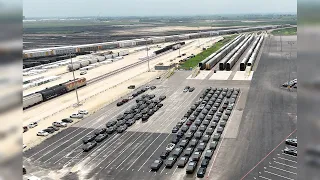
[[148, 54], [74, 80], [290, 43]]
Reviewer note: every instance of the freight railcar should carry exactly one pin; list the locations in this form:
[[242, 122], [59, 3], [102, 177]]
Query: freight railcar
[[31, 100], [73, 84]]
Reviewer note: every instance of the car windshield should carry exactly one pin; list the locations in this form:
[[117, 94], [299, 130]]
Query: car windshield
[[156, 161]]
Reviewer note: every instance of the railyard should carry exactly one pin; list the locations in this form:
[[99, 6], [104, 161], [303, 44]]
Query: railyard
[[128, 155]]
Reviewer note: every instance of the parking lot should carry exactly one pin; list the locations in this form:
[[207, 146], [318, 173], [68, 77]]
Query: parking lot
[[127, 154]]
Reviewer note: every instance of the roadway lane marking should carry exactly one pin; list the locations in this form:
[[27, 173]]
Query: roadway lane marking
[[268, 154], [283, 170], [162, 169], [289, 155], [288, 160], [264, 178], [278, 175], [285, 164]]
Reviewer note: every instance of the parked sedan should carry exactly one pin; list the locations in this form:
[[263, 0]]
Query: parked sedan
[[54, 128], [42, 133], [191, 89], [191, 167], [156, 164], [177, 152], [170, 161], [100, 131], [182, 162], [101, 137], [67, 120], [164, 154], [32, 125], [59, 124], [292, 142], [291, 151], [201, 172], [89, 138], [87, 147], [208, 154]]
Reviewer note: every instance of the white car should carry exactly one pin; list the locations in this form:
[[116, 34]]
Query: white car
[[158, 77], [83, 72], [84, 112], [147, 87], [59, 124], [170, 147], [42, 133], [130, 97], [185, 90], [76, 115], [32, 125], [33, 178], [183, 120]]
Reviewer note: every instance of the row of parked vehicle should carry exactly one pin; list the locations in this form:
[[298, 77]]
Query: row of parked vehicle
[[57, 125], [199, 127], [125, 100], [145, 107], [292, 149]]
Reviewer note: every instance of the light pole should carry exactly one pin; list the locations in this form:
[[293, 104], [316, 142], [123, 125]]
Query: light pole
[[147, 54], [74, 79], [290, 43]]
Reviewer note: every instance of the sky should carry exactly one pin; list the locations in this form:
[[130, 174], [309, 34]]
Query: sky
[[81, 8]]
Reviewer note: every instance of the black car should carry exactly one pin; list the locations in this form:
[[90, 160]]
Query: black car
[[145, 117], [205, 162], [110, 130], [122, 128], [164, 154], [49, 130], [175, 129], [170, 161], [156, 164], [216, 136], [160, 105], [120, 103], [208, 154], [291, 151], [188, 152], [111, 123], [90, 145], [213, 145], [182, 162], [67, 120], [191, 167], [193, 142], [196, 156], [89, 138], [191, 89], [100, 131], [137, 116], [180, 134], [161, 98], [201, 146], [151, 112], [201, 172], [54, 128], [130, 122], [101, 137], [177, 151], [120, 123], [292, 142], [183, 143], [175, 139]]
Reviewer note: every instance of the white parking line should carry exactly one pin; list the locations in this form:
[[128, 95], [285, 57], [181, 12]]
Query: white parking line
[[283, 170], [174, 170], [287, 160], [289, 155], [264, 178], [278, 175], [285, 164], [162, 169]]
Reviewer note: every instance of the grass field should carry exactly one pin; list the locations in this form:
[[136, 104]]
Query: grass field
[[285, 32], [193, 62]]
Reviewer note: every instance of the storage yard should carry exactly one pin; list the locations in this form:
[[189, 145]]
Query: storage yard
[[223, 117]]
